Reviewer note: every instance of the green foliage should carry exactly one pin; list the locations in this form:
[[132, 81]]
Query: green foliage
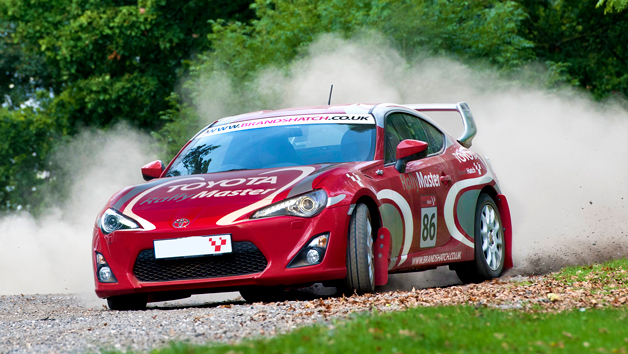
[[23, 71], [91, 63], [180, 120], [590, 46], [27, 138], [114, 60], [456, 329], [284, 29], [151, 62], [470, 29], [613, 5]]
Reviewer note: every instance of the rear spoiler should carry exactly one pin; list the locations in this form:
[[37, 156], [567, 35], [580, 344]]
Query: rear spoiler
[[461, 107]]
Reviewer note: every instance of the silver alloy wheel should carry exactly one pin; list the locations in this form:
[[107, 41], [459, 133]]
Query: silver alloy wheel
[[371, 257], [492, 237]]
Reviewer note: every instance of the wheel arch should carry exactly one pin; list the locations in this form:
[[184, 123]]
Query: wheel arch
[[504, 212], [373, 210]]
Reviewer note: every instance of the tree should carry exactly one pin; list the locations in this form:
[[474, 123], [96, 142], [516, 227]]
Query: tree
[[283, 30], [588, 45], [114, 60], [613, 5], [73, 63]]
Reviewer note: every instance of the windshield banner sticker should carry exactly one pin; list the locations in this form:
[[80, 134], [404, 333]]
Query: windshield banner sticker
[[291, 120]]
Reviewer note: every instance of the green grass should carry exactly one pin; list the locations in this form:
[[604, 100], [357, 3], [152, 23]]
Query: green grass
[[462, 329], [598, 277], [456, 329]]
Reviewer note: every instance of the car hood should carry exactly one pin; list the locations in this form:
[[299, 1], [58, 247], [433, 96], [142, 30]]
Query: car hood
[[222, 199]]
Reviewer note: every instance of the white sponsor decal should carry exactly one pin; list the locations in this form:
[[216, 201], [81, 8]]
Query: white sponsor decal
[[428, 180], [437, 258], [409, 183], [406, 214], [292, 120], [206, 194], [147, 225], [478, 167], [464, 155], [355, 178], [230, 219], [450, 202], [251, 181]]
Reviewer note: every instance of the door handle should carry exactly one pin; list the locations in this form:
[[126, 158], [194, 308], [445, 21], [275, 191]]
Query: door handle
[[446, 179]]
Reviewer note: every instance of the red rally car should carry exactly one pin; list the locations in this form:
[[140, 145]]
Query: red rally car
[[342, 195]]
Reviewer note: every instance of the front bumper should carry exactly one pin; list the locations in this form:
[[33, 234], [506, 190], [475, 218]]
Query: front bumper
[[279, 239]]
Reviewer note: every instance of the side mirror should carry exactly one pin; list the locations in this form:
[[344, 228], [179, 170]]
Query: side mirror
[[152, 170], [409, 150]]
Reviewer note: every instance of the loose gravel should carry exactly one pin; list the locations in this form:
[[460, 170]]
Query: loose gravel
[[73, 324]]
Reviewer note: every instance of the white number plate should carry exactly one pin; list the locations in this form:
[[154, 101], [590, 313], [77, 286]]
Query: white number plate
[[192, 246]]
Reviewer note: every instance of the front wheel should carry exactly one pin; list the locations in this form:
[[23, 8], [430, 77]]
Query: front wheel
[[360, 260], [132, 302], [490, 247]]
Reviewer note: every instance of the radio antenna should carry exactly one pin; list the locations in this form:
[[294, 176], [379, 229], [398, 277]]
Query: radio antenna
[[330, 91]]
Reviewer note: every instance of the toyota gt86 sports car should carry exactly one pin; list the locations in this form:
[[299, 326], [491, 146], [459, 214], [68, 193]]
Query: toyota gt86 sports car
[[342, 195]]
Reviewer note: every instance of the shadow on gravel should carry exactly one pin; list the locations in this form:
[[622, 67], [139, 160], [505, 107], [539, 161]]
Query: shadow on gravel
[[436, 278]]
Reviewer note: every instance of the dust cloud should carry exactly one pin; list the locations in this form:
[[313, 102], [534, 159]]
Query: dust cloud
[[559, 156], [51, 254]]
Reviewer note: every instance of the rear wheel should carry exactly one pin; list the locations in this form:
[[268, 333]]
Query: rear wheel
[[490, 247], [128, 302], [360, 260]]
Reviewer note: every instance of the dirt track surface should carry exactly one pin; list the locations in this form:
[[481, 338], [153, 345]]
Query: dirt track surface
[[63, 323]]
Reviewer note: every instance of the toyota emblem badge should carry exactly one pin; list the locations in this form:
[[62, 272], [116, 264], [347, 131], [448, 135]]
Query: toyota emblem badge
[[181, 223]]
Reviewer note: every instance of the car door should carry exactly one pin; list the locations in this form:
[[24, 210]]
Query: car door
[[420, 187], [434, 179]]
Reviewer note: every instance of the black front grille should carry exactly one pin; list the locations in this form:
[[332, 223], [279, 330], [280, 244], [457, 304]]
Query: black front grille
[[246, 258]]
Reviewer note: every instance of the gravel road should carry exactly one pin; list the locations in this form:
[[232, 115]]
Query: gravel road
[[78, 323], [70, 323]]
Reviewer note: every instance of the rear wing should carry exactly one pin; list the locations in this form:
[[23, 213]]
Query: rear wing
[[461, 107]]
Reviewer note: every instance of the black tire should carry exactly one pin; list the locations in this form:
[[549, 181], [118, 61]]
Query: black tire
[[489, 232], [360, 261], [133, 302], [262, 294]]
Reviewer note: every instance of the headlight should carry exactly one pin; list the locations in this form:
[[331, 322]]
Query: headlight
[[112, 220], [306, 206]]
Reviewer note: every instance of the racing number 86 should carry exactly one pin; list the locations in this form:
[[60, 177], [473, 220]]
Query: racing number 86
[[429, 227]]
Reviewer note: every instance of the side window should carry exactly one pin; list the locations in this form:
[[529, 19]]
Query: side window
[[437, 138], [396, 131], [401, 127], [416, 129]]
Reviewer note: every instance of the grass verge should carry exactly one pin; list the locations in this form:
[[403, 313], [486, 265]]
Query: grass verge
[[597, 277], [455, 329], [465, 328]]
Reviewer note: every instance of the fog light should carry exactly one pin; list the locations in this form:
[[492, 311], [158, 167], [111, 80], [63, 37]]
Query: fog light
[[312, 256], [105, 274], [312, 253]]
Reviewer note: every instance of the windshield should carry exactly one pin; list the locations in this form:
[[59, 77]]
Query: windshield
[[234, 147]]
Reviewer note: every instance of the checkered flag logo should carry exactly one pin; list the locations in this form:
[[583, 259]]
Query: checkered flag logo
[[217, 244]]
